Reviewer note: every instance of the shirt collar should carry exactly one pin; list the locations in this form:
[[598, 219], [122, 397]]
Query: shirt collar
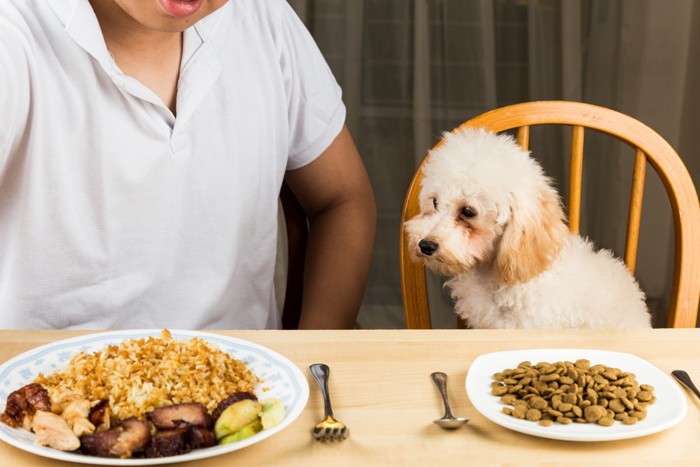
[[81, 24], [63, 9], [214, 28]]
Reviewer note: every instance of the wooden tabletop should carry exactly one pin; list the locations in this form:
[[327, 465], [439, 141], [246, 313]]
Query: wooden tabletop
[[381, 389]]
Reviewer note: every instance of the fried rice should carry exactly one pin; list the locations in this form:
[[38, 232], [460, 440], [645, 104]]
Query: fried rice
[[140, 375]]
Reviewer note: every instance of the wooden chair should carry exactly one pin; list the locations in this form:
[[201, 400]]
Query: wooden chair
[[297, 235], [649, 147]]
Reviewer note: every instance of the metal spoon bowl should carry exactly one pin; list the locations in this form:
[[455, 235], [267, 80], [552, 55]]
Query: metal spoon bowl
[[447, 421]]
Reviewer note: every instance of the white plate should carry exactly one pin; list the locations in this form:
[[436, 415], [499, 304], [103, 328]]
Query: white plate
[[279, 375], [669, 409]]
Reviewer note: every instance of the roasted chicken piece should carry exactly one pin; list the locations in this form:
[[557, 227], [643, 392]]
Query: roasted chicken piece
[[100, 415], [201, 437], [127, 437], [76, 413], [170, 416], [179, 440], [169, 443], [180, 428], [23, 403], [53, 431]]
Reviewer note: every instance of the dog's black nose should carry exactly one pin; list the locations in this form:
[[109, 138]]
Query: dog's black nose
[[427, 247]]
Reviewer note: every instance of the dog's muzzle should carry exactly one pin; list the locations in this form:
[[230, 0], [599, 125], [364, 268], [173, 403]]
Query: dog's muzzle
[[427, 247]]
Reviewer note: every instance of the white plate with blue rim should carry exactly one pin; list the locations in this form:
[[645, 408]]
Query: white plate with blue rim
[[279, 378], [668, 410]]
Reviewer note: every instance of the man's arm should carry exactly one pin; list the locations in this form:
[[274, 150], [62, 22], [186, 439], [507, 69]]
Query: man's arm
[[14, 86], [337, 196]]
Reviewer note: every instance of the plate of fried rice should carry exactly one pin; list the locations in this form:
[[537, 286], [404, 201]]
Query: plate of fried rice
[[139, 370]]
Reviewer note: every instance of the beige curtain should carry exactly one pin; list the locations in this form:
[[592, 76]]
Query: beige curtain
[[411, 69]]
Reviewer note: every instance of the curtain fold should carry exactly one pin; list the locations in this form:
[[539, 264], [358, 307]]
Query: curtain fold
[[412, 69]]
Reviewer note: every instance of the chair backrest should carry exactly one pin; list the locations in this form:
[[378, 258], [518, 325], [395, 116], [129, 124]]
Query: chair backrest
[[649, 147], [297, 235]]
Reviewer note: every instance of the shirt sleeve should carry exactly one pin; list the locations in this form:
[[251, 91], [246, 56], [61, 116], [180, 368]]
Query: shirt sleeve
[[14, 87], [315, 105]]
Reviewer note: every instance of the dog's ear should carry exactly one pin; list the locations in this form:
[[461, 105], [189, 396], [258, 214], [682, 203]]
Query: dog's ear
[[531, 238]]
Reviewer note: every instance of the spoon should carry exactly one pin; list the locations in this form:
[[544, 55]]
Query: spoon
[[448, 420], [684, 379]]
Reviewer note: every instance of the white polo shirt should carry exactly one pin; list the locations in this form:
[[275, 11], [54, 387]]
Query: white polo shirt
[[116, 214]]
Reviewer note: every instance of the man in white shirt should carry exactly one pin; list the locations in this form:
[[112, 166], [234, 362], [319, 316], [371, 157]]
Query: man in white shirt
[[143, 144]]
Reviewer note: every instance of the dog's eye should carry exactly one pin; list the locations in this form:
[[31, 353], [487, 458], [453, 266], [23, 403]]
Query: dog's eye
[[435, 203], [467, 212]]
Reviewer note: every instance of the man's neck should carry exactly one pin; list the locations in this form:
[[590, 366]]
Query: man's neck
[[151, 56]]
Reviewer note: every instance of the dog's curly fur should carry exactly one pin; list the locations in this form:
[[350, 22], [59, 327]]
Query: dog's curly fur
[[491, 219]]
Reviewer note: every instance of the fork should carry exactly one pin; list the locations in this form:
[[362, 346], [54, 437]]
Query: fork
[[329, 429]]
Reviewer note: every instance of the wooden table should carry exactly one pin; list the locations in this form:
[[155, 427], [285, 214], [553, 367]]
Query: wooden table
[[381, 389]]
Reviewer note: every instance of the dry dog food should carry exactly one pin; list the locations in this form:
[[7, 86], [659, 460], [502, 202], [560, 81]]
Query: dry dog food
[[572, 392]]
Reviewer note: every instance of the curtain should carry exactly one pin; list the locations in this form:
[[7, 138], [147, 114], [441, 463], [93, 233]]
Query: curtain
[[413, 69]]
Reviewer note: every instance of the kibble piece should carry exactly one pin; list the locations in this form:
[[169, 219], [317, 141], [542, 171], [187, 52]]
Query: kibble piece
[[508, 399], [514, 389], [533, 415], [640, 405], [616, 405], [566, 380], [569, 398], [519, 412], [546, 422], [537, 403], [582, 364], [606, 421], [598, 379], [548, 378], [627, 403], [593, 413], [564, 407], [592, 397]]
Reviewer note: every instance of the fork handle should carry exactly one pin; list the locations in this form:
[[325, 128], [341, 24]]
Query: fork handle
[[321, 373]]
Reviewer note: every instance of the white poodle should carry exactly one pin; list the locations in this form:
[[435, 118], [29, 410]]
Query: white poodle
[[491, 219]]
